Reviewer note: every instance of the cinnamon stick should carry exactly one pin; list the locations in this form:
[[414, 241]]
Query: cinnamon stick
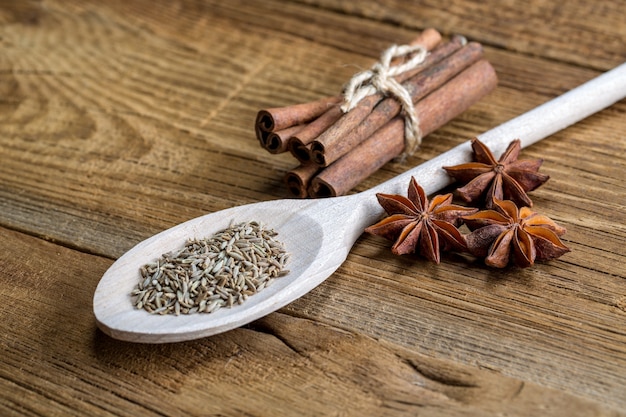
[[329, 147], [298, 179], [337, 123], [297, 144], [435, 110], [429, 38], [276, 142], [279, 118], [334, 136]]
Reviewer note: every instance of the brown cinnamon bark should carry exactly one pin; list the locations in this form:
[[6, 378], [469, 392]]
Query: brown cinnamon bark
[[331, 145], [297, 145], [276, 142], [298, 179], [429, 38], [279, 118], [339, 124], [335, 136], [435, 110]]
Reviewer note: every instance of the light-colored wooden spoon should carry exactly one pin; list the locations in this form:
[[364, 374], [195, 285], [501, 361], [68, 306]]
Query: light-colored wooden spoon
[[318, 233]]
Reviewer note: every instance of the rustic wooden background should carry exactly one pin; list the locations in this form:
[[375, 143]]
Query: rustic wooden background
[[121, 118]]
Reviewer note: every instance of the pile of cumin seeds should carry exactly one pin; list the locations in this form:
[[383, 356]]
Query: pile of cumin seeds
[[208, 274]]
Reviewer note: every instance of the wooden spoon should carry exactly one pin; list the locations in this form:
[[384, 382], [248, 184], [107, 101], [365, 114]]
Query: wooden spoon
[[318, 233]]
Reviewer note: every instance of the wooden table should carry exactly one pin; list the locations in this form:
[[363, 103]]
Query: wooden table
[[119, 119]]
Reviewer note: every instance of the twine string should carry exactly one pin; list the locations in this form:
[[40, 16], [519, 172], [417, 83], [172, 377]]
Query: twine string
[[380, 79]]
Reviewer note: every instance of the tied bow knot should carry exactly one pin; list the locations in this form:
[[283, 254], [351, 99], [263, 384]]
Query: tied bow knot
[[380, 79]]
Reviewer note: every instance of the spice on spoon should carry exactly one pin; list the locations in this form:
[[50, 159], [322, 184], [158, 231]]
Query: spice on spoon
[[209, 274]]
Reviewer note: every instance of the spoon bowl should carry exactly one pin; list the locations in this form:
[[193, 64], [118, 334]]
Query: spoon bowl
[[317, 247], [318, 233]]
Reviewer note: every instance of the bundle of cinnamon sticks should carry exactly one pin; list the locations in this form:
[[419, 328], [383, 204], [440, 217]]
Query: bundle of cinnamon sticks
[[337, 150]]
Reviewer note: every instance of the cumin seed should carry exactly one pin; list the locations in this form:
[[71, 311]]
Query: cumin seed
[[208, 274]]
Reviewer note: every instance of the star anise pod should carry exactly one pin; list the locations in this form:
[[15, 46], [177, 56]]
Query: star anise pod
[[419, 226], [509, 233], [505, 179]]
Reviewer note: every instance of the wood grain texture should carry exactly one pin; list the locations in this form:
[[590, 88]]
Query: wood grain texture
[[67, 368], [119, 119]]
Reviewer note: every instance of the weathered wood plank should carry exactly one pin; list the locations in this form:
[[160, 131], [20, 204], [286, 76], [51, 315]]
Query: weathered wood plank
[[588, 34], [120, 119], [92, 122], [55, 362]]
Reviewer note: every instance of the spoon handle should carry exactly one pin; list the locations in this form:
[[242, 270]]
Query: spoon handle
[[530, 127]]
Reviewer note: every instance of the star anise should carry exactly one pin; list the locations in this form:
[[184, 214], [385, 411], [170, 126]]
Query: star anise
[[509, 233], [505, 179], [419, 226]]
